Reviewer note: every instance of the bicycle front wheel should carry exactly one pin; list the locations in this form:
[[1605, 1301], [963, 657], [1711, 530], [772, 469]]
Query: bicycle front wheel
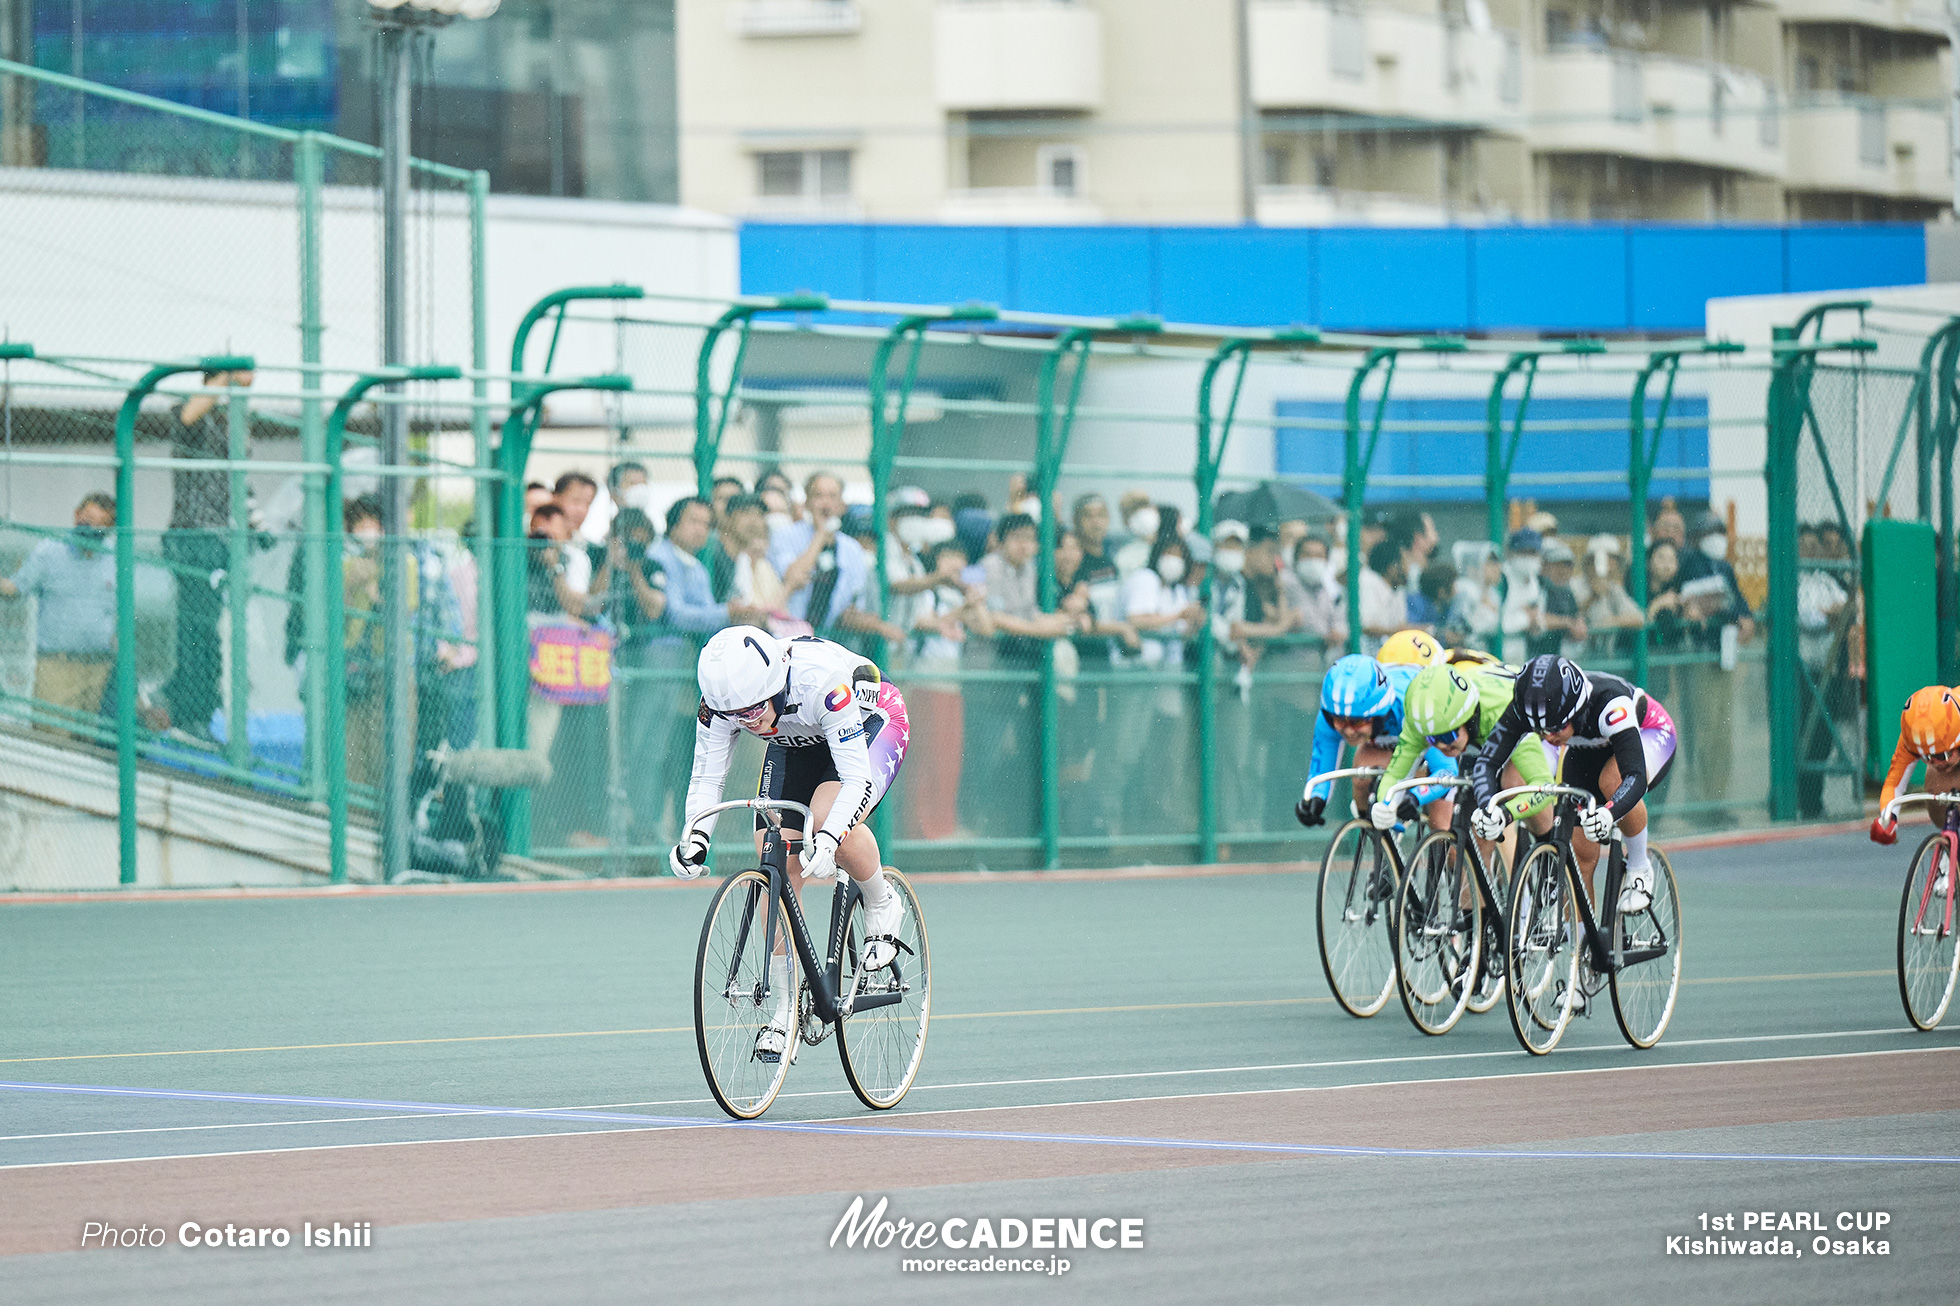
[[1644, 989], [1541, 949], [1437, 936], [1928, 961], [1357, 888], [883, 1036], [736, 998]]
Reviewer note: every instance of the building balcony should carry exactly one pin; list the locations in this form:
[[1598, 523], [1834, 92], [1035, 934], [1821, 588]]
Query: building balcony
[[1016, 206], [1869, 147], [1326, 206], [1922, 17], [1599, 100], [1017, 54], [795, 17], [1312, 55]]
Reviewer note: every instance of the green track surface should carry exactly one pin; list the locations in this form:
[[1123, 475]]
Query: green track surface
[[1044, 992]]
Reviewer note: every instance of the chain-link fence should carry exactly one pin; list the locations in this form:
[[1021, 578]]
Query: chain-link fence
[[1109, 614]]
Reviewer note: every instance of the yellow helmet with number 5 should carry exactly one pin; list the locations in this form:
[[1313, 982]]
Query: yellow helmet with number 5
[[1410, 648]]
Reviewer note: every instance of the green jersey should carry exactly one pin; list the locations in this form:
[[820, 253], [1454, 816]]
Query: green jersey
[[1494, 685]]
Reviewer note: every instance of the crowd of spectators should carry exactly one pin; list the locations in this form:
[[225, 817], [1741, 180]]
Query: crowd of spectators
[[1134, 587]]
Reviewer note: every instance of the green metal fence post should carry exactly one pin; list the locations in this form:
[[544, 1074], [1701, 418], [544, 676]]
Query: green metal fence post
[[1051, 446], [132, 406], [309, 171], [1779, 480], [710, 422], [1948, 431], [484, 492], [238, 585], [335, 651], [887, 431], [1640, 470], [1498, 452], [1210, 456], [513, 660], [1354, 473]]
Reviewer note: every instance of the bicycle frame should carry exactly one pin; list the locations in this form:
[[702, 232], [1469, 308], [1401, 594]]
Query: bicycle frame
[[1460, 828], [1607, 958], [825, 978], [1951, 835]]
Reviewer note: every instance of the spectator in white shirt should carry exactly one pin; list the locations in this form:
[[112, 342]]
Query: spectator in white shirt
[[1384, 600]]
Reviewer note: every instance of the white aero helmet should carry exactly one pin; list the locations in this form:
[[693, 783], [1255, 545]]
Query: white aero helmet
[[741, 667]]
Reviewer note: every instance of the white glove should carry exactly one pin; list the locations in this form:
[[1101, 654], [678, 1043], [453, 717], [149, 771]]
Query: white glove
[[689, 858], [1488, 822], [1382, 815], [820, 856], [1597, 822]]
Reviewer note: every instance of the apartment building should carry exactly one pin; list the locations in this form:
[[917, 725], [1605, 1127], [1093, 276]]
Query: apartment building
[[1361, 111]]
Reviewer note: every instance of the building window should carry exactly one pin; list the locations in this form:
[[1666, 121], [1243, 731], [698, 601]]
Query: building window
[[1278, 165], [1347, 43], [817, 175], [1058, 169]]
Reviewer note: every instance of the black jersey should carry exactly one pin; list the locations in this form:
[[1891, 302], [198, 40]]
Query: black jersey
[[1609, 717]]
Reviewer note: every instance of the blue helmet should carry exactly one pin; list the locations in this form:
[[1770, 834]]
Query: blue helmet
[[1357, 686]]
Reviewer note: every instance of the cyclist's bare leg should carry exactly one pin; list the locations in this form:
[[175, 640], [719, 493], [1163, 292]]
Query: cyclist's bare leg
[[1364, 786], [1584, 849]]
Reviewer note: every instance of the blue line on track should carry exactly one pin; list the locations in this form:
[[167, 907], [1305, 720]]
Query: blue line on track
[[966, 1135]]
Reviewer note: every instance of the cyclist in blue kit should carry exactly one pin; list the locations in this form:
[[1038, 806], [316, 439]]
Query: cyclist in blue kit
[[1361, 704]]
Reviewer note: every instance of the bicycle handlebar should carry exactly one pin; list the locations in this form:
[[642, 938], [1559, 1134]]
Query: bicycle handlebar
[[1424, 782], [768, 806], [1327, 777], [1891, 812], [1592, 799]]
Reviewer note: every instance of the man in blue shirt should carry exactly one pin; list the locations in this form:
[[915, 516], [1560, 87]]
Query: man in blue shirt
[[824, 572], [75, 627]]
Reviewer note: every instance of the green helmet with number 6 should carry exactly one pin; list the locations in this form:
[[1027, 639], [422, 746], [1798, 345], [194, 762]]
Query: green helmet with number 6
[[1439, 701]]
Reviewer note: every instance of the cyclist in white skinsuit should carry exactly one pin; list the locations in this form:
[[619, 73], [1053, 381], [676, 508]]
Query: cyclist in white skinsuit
[[837, 733]]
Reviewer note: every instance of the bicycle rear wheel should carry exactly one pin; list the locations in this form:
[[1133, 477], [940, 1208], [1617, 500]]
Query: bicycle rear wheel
[[1437, 939], [1541, 949], [1489, 989], [1928, 960], [731, 1009], [881, 1045], [1357, 889], [1644, 992]]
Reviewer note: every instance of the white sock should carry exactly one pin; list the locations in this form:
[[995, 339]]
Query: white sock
[[1637, 852], [779, 985], [875, 890]]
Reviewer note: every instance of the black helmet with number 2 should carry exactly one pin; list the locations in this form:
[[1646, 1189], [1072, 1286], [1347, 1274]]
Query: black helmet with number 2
[[1550, 691]]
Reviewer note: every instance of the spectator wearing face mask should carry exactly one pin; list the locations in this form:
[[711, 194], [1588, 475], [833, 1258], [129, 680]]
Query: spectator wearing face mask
[[914, 531], [1248, 604], [826, 572], [1142, 519], [74, 583], [1320, 602], [1524, 597], [1716, 622], [1160, 603]]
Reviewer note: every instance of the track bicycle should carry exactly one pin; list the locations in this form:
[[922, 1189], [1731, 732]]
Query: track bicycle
[[1557, 947], [1928, 960], [1359, 875], [880, 1016], [1449, 936]]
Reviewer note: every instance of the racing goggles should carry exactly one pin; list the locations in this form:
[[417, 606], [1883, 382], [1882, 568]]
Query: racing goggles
[[1447, 737], [748, 716], [1349, 722]]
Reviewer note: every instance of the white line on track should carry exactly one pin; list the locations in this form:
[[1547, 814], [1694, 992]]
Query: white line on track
[[465, 1113]]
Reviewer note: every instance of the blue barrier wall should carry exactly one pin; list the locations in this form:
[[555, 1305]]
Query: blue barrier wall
[[1589, 445], [1574, 278]]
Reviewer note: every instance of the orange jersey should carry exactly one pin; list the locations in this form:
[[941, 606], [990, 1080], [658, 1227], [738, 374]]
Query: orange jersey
[[1902, 759]]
